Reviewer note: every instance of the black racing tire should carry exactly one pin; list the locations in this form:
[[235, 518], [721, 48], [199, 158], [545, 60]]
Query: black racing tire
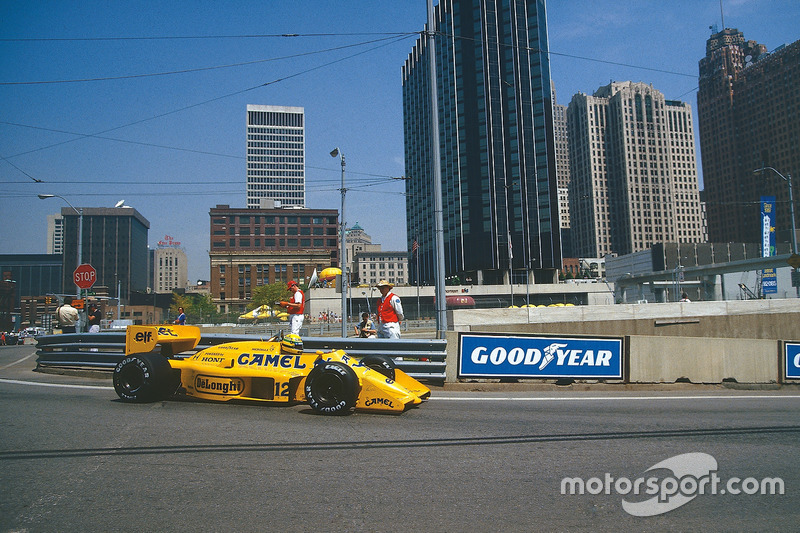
[[332, 388], [145, 377], [381, 363]]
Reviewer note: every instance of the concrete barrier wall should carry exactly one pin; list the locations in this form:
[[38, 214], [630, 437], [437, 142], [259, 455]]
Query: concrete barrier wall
[[699, 342], [702, 360], [742, 319], [659, 359]]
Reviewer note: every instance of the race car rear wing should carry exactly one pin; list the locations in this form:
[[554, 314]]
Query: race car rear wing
[[173, 339]]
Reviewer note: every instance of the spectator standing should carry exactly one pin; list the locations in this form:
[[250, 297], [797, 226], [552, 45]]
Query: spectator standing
[[390, 312], [181, 320], [93, 319], [295, 307], [67, 317]]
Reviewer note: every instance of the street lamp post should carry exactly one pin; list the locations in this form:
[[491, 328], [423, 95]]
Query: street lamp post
[[343, 252], [788, 179], [79, 212]]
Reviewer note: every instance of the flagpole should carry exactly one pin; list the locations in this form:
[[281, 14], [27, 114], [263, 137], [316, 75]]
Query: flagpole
[[415, 249]]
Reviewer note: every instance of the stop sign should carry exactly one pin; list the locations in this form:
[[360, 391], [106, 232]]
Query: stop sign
[[85, 276]]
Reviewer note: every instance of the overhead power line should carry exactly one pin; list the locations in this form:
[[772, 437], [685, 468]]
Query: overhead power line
[[200, 69], [198, 37], [573, 56], [215, 99]]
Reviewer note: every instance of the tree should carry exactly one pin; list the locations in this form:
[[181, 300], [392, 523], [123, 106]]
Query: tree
[[268, 295], [198, 307], [180, 300], [203, 306]]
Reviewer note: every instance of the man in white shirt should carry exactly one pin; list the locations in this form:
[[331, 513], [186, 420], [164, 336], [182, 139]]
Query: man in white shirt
[[390, 312], [295, 307]]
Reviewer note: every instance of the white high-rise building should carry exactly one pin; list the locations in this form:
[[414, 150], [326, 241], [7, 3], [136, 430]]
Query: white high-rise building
[[170, 268], [276, 166], [633, 171], [55, 234], [561, 144]]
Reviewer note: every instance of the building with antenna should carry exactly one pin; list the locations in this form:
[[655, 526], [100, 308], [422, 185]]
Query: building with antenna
[[748, 116]]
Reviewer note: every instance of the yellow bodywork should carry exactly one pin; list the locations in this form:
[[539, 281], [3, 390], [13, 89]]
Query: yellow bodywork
[[258, 371]]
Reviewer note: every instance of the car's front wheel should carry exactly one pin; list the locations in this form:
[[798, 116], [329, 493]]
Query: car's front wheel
[[145, 377], [332, 388], [380, 363]]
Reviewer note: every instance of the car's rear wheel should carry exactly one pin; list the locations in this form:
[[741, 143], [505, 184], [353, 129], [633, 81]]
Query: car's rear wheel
[[145, 377], [332, 388], [381, 363]]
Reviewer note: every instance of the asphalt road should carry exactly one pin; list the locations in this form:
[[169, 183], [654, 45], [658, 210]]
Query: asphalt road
[[75, 458]]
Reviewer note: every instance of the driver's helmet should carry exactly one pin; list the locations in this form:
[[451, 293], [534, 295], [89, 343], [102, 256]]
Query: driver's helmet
[[292, 343]]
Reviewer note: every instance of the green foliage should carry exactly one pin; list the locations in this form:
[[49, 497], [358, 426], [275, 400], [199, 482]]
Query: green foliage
[[199, 308], [180, 300], [268, 295]]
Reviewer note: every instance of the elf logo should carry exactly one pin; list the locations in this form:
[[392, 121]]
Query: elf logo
[[143, 336]]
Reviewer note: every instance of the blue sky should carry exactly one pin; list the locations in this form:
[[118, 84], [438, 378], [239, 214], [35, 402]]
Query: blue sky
[[166, 109]]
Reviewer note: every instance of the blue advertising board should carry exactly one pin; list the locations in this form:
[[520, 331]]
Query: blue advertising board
[[769, 278], [791, 352], [519, 356]]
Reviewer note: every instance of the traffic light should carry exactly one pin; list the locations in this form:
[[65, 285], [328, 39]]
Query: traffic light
[[47, 300]]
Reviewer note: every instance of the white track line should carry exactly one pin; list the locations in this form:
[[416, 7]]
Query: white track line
[[57, 385], [17, 361], [490, 398], [614, 398]]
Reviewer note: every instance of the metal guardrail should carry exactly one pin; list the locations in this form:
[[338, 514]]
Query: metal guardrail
[[420, 358]]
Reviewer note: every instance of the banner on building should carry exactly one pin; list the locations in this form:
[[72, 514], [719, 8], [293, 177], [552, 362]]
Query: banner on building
[[769, 278]]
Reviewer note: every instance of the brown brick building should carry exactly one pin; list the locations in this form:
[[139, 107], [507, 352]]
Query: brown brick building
[[748, 105], [253, 247]]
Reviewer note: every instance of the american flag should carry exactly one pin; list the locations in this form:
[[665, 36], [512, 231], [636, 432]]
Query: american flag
[[414, 247]]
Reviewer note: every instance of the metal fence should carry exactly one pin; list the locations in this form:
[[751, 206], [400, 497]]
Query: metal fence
[[420, 358]]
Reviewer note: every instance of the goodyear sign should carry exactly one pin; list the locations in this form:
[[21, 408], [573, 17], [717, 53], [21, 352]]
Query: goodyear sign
[[491, 356], [792, 355]]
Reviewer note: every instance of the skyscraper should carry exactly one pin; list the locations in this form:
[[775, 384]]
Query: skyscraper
[[114, 243], [562, 171], [55, 234], [633, 171], [499, 193], [170, 267], [276, 166], [748, 106]]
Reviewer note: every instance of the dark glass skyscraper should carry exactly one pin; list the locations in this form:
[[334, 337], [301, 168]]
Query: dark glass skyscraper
[[114, 243], [499, 191]]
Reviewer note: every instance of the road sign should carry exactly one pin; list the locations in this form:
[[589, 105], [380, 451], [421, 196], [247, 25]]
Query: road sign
[[794, 261], [85, 276]]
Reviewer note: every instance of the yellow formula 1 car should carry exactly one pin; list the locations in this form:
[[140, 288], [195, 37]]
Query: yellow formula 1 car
[[275, 370]]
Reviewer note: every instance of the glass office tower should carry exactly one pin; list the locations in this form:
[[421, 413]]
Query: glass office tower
[[499, 191]]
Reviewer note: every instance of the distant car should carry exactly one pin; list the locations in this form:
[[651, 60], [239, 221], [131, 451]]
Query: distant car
[[274, 370], [32, 332]]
